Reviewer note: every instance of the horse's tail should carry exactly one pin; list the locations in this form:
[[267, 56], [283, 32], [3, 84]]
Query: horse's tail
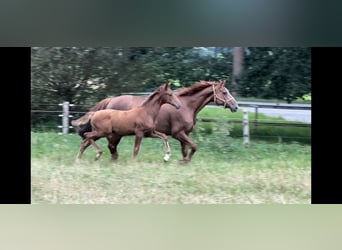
[[101, 105], [82, 120], [86, 118], [82, 124]]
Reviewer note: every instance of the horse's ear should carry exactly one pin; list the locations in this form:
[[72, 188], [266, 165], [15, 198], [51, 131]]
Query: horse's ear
[[223, 82], [167, 85]]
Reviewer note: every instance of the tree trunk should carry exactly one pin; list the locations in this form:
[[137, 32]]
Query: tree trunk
[[238, 56]]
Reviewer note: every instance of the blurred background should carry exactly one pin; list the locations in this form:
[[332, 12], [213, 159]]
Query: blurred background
[[82, 76]]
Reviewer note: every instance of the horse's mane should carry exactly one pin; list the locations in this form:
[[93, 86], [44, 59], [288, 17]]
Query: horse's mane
[[194, 88], [151, 96]]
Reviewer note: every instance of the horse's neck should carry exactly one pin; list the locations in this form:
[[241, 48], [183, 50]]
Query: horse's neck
[[197, 101], [152, 106]]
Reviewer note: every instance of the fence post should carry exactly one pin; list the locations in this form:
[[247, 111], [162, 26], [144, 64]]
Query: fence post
[[256, 118], [65, 117], [245, 129]]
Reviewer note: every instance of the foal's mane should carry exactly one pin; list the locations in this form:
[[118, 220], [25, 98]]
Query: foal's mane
[[151, 96], [194, 88]]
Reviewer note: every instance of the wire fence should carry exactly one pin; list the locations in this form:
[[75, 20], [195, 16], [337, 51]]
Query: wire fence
[[54, 117]]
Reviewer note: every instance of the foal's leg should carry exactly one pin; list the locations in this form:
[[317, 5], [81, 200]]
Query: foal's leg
[[157, 134], [84, 145], [186, 140], [138, 137], [86, 142], [113, 141], [98, 149], [90, 136]]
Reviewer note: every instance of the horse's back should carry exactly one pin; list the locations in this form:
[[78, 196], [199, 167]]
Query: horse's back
[[122, 122], [125, 102]]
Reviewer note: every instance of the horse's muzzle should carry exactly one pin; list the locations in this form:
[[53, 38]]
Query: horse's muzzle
[[176, 105], [234, 108]]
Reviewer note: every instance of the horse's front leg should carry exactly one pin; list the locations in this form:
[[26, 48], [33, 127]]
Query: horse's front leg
[[91, 137], [98, 149], [157, 134], [84, 144]]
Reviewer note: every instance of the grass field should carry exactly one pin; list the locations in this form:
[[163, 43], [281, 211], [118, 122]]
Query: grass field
[[222, 172]]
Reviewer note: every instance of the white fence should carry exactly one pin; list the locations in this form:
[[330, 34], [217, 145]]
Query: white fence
[[66, 115]]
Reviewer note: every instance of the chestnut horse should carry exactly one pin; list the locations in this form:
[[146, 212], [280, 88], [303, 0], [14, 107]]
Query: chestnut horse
[[139, 121], [177, 123]]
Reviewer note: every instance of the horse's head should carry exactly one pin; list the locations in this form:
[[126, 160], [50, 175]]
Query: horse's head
[[223, 97], [167, 96]]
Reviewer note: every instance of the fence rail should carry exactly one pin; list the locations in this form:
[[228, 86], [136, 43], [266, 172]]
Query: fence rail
[[256, 123], [66, 114], [296, 106]]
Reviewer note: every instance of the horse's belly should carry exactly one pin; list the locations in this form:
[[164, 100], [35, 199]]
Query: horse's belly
[[123, 131], [163, 126], [166, 130]]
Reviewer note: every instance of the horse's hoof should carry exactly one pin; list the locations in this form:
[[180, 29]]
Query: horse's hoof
[[184, 162], [98, 156], [167, 157]]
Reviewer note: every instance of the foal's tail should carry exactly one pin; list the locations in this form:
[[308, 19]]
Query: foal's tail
[[82, 120], [82, 124], [86, 118]]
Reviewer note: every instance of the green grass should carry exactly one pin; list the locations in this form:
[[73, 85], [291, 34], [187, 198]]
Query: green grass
[[222, 172]]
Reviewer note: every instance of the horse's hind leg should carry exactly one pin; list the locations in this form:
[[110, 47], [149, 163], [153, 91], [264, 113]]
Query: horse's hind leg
[[113, 141], [184, 148], [186, 140]]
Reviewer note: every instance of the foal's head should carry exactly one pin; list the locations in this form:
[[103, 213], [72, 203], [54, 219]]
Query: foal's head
[[223, 97], [167, 96]]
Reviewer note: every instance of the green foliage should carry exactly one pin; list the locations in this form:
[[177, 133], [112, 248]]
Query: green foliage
[[281, 73], [175, 83], [85, 75], [46, 125], [307, 97]]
